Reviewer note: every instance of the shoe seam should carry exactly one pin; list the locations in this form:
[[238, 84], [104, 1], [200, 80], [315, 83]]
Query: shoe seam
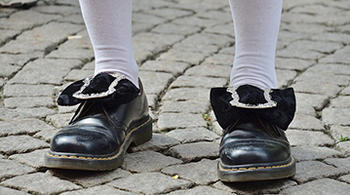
[[98, 158], [257, 167]]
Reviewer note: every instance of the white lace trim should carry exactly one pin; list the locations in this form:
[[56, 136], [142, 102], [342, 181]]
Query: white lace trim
[[235, 101], [111, 88]]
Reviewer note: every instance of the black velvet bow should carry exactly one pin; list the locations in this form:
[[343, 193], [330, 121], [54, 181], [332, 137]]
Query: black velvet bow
[[124, 91], [281, 114]]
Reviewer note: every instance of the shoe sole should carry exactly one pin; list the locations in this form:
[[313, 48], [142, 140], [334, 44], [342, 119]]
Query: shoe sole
[[137, 136], [256, 172]]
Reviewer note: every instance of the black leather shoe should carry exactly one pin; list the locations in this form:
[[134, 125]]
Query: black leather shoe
[[254, 146], [113, 114]]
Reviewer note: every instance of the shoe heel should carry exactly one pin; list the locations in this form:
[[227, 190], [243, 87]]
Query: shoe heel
[[143, 134]]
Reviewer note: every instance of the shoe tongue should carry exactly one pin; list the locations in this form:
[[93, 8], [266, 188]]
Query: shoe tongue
[[251, 95], [99, 83]]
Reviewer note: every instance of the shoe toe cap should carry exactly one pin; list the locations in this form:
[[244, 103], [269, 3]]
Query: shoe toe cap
[[83, 142], [260, 152]]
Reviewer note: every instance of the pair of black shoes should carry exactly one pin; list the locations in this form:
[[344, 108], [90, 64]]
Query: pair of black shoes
[[113, 114]]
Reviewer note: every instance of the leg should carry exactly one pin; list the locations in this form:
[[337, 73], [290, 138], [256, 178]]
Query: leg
[[256, 29], [113, 111], [109, 27], [254, 116]]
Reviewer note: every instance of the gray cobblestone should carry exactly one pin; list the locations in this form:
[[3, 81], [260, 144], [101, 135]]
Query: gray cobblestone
[[34, 159], [174, 68], [10, 168], [103, 189], [89, 179], [22, 126], [150, 183], [204, 190], [302, 153], [192, 135], [198, 81], [147, 161], [28, 90], [158, 142], [168, 121], [39, 183], [28, 102], [194, 151], [339, 116], [321, 186], [202, 172], [303, 121], [297, 138], [19, 144], [4, 190]]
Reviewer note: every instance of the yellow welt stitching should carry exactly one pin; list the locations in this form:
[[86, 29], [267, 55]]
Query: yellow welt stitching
[[254, 168], [97, 158]]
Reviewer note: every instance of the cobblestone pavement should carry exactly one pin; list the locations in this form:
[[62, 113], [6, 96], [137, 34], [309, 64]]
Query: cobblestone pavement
[[184, 47]]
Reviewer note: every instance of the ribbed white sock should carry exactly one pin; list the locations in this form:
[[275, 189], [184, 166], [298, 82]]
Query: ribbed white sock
[[256, 24], [108, 23]]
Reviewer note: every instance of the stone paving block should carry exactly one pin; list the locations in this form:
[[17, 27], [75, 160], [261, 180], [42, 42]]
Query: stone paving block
[[10, 168], [260, 187], [345, 178], [190, 106], [11, 114], [208, 39], [170, 13], [150, 183], [344, 147], [332, 36], [338, 69], [307, 122], [46, 134], [310, 170], [168, 121], [59, 120], [57, 10], [34, 159], [341, 56], [310, 138], [181, 94], [202, 172], [172, 67], [89, 178], [209, 70], [192, 135], [204, 190], [284, 77], [308, 103], [339, 131], [158, 142], [47, 37], [302, 153], [339, 162], [28, 102], [224, 57], [8, 69], [319, 46], [24, 20], [293, 64], [299, 54], [307, 86], [195, 21], [336, 116], [321, 187], [169, 28], [37, 112], [4, 190], [195, 151], [345, 91], [198, 81], [155, 82], [224, 29], [147, 161], [20, 144], [206, 50], [183, 56], [21, 90], [39, 183], [76, 75], [22, 126], [340, 102], [47, 71], [103, 189]]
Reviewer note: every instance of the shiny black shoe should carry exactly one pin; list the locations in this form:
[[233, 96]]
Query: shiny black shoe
[[113, 114], [254, 146]]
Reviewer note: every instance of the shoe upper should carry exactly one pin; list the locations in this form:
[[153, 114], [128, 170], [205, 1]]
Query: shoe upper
[[254, 121], [109, 108]]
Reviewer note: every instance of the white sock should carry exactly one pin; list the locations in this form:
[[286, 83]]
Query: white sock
[[256, 25], [108, 23]]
